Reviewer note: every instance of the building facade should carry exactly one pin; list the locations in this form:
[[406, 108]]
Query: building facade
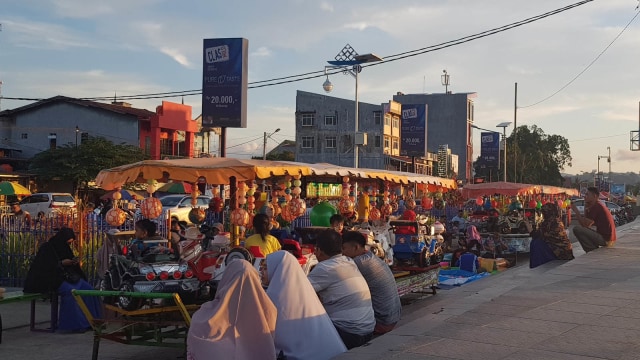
[[449, 121], [46, 124], [325, 127]]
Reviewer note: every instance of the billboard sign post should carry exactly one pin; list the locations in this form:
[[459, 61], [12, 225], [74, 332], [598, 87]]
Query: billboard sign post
[[490, 148], [413, 130], [224, 82]]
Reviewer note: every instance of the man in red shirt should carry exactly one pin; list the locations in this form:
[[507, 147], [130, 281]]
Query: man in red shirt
[[595, 214]]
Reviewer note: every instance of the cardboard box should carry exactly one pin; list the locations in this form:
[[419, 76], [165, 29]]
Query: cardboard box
[[487, 265]]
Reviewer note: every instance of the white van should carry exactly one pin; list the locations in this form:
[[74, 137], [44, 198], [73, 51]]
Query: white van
[[47, 203]]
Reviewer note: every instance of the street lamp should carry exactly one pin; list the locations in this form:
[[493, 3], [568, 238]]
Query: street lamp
[[77, 131], [350, 62], [599, 177], [444, 78], [504, 125], [264, 145]]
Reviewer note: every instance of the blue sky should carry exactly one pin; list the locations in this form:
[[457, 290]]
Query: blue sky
[[86, 48]]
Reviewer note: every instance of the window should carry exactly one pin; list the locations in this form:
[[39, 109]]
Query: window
[[386, 142], [330, 142], [24, 136], [377, 141], [330, 120], [308, 142], [396, 122], [387, 119], [147, 145], [377, 117], [307, 119], [395, 144]]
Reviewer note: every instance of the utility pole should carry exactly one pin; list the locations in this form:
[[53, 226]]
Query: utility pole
[[515, 134]]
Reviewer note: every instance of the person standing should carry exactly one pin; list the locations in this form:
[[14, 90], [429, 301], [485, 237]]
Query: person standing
[[342, 290], [20, 216], [595, 214], [382, 285]]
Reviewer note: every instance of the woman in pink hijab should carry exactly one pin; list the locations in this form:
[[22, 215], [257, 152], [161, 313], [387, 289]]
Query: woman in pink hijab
[[239, 323]]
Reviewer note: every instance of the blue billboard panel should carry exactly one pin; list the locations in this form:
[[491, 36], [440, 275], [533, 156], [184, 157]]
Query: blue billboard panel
[[224, 82], [490, 148], [413, 130], [618, 189]]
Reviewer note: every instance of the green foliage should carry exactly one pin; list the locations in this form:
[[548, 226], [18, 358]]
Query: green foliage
[[540, 158], [82, 164]]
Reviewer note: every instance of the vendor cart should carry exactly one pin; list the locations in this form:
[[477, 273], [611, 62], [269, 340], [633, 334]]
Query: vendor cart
[[413, 279], [165, 325]]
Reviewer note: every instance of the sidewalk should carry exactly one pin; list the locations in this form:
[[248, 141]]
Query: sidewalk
[[587, 308]]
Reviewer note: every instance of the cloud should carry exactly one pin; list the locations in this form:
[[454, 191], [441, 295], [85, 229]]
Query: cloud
[[42, 35], [357, 26], [325, 6], [262, 52], [177, 56], [83, 9]]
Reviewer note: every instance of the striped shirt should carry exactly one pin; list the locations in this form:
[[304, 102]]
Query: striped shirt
[[382, 284], [345, 294]]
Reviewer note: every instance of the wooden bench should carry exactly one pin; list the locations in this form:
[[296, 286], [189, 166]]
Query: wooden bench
[[17, 296]]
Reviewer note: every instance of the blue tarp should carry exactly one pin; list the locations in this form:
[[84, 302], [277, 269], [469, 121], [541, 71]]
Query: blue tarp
[[458, 277]]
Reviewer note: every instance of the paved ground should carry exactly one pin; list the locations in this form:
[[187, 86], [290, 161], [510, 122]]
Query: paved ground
[[587, 308]]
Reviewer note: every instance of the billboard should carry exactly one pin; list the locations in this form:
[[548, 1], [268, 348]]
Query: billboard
[[490, 148], [224, 82], [618, 189], [413, 130]]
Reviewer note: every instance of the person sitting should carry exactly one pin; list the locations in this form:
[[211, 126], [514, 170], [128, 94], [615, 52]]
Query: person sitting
[[382, 285], [342, 290], [473, 240], [595, 214], [301, 316], [262, 238], [550, 241], [337, 222], [239, 323], [145, 233], [176, 235], [460, 219], [56, 269], [21, 217]]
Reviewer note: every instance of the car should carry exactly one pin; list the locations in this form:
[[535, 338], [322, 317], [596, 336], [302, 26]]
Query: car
[[613, 207], [180, 205], [48, 203]]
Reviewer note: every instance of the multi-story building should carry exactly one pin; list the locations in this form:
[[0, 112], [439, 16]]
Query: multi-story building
[[449, 122], [325, 127]]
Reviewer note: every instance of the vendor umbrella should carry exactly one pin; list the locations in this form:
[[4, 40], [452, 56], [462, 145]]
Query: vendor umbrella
[[176, 188], [126, 195], [11, 188]]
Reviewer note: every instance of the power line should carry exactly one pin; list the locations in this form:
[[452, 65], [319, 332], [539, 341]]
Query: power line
[[586, 68], [321, 73]]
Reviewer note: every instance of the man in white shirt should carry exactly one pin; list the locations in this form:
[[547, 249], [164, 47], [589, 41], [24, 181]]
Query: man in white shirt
[[343, 291], [462, 222]]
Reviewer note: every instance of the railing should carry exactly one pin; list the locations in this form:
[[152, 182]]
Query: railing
[[19, 242]]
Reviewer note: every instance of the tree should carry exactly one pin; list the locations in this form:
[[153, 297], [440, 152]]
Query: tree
[[81, 164], [540, 158]]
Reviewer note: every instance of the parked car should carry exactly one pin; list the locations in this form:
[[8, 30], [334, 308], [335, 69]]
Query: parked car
[[47, 203], [180, 205], [613, 207]]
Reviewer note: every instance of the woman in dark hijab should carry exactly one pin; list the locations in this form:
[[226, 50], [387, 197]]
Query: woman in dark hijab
[[550, 241], [55, 269]]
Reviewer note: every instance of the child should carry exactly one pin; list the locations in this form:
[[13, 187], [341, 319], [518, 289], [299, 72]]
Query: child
[[337, 223]]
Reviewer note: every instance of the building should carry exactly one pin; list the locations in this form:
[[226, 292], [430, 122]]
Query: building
[[325, 127], [447, 162], [449, 122], [166, 133]]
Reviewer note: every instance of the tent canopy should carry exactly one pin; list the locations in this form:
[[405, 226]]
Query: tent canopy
[[218, 171], [513, 189]]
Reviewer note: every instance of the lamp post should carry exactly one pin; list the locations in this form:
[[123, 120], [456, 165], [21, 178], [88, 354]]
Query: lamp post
[[77, 131], [444, 78], [504, 125], [350, 62], [599, 177], [264, 145]]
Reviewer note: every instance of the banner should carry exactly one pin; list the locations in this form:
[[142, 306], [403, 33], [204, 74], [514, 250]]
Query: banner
[[490, 148], [413, 130], [224, 83], [618, 189]]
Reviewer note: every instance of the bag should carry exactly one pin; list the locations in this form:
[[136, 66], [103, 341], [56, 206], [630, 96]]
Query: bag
[[70, 276]]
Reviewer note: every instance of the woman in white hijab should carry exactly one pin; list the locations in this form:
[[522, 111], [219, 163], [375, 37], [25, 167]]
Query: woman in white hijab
[[239, 323], [303, 330]]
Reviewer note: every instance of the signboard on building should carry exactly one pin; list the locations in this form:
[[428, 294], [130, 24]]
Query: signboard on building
[[618, 189], [413, 130], [224, 82], [490, 148]]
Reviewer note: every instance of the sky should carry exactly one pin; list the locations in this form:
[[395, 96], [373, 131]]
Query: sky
[[584, 57]]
